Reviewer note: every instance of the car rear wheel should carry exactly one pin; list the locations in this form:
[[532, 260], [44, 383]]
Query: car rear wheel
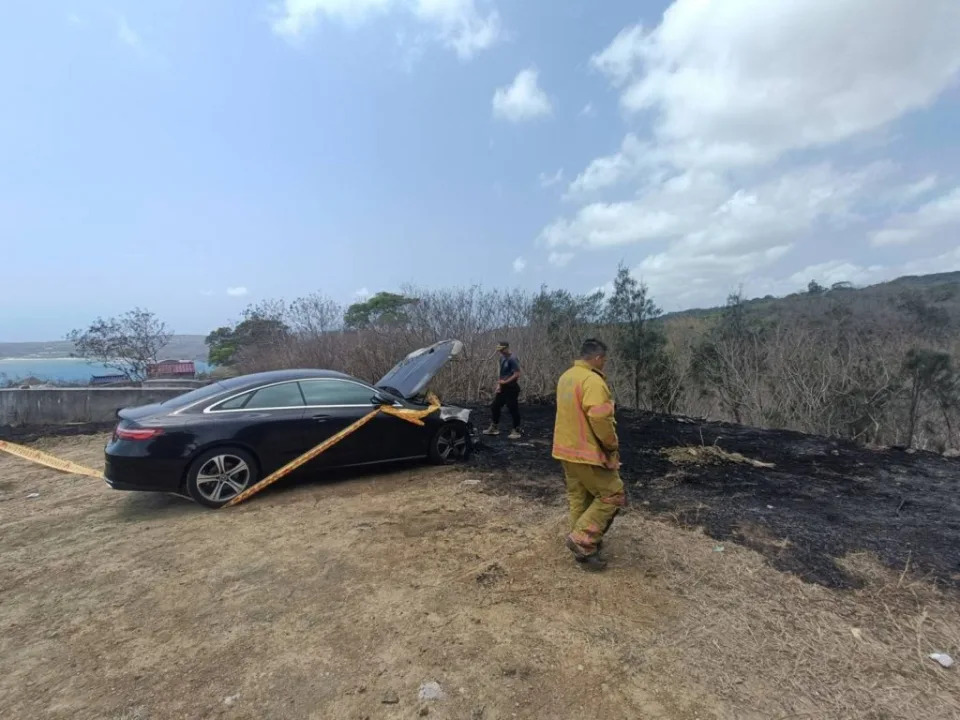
[[219, 475], [450, 444]]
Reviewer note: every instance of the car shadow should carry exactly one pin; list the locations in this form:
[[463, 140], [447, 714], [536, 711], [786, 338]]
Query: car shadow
[[139, 506]]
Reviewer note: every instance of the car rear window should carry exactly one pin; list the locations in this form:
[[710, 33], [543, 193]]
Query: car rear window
[[234, 403], [207, 391]]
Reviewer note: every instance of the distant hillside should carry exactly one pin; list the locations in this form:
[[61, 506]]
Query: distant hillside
[[181, 347], [941, 288]]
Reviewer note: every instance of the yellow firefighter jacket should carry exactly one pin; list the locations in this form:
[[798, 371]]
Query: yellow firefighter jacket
[[586, 430]]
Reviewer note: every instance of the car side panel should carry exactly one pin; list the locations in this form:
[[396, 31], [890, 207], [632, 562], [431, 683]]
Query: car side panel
[[384, 438], [322, 423], [402, 439], [274, 436]]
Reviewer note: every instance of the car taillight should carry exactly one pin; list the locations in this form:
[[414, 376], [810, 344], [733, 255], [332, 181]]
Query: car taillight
[[136, 433]]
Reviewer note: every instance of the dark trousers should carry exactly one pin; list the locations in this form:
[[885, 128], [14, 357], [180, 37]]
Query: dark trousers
[[509, 395]]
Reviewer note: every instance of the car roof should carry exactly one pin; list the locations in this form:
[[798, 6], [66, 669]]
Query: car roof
[[273, 376], [215, 392]]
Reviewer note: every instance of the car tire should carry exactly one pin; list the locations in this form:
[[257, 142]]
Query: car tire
[[219, 475], [450, 444]]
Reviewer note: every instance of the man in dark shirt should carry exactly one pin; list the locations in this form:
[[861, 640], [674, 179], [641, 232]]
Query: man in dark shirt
[[507, 393]]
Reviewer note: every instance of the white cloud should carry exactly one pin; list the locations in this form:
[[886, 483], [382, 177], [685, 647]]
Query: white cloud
[[74, 19], [743, 81], [522, 99], [947, 262], [237, 291], [127, 35], [560, 259], [684, 279], [588, 111], [918, 189], [207, 293], [678, 205], [411, 49], [458, 24], [619, 60], [362, 294], [717, 234], [610, 170], [708, 212], [724, 96], [930, 221], [294, 18], [461, 25], [551, 180], [608, 224], [519, 265], [838, 271]]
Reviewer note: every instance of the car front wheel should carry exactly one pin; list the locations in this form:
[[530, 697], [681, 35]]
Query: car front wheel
[[219, 475], [450, 444]]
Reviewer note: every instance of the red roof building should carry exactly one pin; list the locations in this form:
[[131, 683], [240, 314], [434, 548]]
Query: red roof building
[[172, 369]]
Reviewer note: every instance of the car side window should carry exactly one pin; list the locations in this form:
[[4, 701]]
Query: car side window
[[276, 396], [336, 392], [234, 403]]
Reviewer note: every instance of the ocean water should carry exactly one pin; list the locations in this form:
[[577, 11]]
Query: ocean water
[[53, 370]]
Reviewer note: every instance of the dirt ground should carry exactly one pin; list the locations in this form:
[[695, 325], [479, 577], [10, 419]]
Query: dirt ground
[[325, 598]]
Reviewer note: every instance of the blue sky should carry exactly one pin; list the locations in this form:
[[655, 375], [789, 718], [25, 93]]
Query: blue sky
[[193, 157]]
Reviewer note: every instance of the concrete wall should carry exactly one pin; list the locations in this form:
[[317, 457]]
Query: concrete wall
[[60, 406]]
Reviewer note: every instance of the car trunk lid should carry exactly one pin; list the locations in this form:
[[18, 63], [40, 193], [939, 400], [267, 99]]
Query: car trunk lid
[[410, 376], [133, 414]]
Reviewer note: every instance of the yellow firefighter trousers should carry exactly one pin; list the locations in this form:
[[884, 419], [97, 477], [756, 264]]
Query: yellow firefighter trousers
[[595, 495]]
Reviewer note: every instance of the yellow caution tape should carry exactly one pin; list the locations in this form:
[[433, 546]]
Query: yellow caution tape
[[43, 458], [413, 416]]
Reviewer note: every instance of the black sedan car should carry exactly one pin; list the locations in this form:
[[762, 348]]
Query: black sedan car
[[214, 442]]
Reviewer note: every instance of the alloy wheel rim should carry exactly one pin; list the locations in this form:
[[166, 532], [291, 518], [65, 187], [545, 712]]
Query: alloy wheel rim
[[451, 443], [223, 477]]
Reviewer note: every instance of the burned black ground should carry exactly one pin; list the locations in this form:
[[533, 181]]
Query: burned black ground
[[824, 499]]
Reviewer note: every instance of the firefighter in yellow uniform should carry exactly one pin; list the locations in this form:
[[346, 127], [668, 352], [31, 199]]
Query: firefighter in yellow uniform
[[585, 442]]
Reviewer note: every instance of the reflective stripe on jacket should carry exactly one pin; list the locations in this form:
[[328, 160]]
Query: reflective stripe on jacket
[[586, 429]]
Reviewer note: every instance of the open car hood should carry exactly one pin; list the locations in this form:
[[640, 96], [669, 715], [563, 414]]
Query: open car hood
[[411, 375]]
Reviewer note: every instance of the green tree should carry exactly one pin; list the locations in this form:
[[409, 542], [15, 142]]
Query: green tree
[[260, 327], [565, 317], [932, 321], [815, 288], [384, 309], [729, 361], [929, 375], [640, 344], [221, 346], [128, 343]]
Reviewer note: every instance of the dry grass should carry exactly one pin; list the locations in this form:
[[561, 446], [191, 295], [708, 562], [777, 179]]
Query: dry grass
[[708, 455]]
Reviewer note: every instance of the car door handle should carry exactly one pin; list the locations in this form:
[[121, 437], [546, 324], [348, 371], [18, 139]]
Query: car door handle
[[320, 418]]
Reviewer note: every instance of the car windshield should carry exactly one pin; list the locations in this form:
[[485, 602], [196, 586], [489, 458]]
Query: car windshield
[[202, 393]]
